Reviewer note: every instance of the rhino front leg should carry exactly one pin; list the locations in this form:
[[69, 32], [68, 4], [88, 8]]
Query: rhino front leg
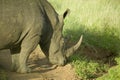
[[15, 62], [27, 46], [15, 57]]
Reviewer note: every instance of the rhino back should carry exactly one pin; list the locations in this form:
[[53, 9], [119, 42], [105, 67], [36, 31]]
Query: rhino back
[[17, 17]]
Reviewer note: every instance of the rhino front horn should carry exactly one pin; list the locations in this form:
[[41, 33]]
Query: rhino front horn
[[71, 50]]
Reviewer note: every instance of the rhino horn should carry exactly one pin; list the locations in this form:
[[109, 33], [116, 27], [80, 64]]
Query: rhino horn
[[72, 49]]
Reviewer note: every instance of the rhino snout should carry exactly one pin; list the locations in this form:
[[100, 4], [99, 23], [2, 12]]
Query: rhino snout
[[58, 61], [62, 62]]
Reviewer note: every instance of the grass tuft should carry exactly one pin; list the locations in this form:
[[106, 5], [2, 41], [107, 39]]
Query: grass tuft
[[3, 75], [88, 69]]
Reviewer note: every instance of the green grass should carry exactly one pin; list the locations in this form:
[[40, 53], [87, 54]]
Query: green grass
[[113, 73], [3, 75], [88, 69], [99, 22]]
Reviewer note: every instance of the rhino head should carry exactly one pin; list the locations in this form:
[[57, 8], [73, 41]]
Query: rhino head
[[57, 53]]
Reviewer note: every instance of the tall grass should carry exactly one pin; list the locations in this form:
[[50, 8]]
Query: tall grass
[[99, 22]]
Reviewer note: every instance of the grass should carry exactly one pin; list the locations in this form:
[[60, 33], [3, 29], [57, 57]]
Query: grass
[[88, 69], [113, 73], [99, 22], [3, 75]]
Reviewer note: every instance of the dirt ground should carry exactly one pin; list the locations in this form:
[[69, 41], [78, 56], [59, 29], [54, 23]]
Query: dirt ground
[[43, 70]]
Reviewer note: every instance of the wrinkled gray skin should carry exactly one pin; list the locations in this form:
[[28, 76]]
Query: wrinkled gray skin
[[26, 23]]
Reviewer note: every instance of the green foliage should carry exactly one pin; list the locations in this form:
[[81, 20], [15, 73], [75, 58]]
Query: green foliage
[[87, 69], [3, 75], [113, 73]]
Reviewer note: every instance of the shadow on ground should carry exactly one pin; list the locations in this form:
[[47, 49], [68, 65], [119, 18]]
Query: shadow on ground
[[98, 45]]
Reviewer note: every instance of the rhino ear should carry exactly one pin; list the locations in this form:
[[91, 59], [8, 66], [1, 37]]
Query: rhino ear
[[66, 13]]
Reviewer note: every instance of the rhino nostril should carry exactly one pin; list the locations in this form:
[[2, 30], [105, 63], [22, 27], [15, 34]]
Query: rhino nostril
[[63, 63]]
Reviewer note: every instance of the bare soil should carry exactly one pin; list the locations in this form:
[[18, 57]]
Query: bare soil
[[42, 69]]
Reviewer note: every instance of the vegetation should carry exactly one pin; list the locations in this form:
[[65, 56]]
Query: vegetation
[[88, 69], [99, 23], [113, 73], [3, 75]]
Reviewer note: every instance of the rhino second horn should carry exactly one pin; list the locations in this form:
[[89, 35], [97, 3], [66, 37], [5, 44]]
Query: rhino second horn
[[71, 50]]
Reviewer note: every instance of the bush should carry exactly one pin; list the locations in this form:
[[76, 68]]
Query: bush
[[88, 69]]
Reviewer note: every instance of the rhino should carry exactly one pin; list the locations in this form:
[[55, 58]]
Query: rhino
[[24, 24]]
